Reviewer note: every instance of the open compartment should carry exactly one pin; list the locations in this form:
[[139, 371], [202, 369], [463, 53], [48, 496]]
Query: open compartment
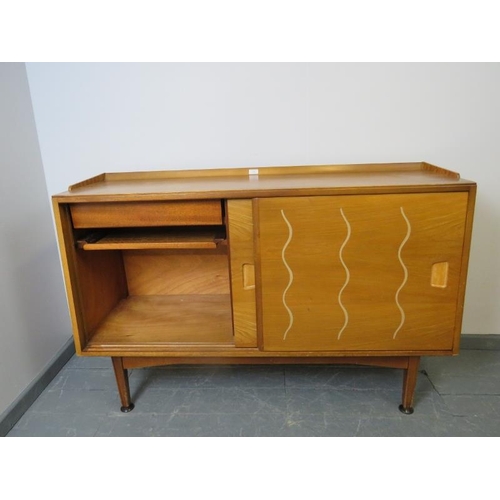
[[147, 289]]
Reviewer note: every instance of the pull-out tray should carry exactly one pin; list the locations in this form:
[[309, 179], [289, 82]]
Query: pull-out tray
[[192, 237]]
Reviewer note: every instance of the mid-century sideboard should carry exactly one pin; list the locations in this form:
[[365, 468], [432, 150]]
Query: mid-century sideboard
[[351, 264]]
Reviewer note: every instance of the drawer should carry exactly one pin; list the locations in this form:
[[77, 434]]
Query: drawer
[[146, 213]]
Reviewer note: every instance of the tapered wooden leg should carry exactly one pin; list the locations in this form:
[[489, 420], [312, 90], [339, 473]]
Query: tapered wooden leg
[[409, 383], [121, 375]]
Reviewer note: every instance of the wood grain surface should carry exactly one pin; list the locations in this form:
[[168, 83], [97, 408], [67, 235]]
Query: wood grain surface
[[186, 237], [146, 214], [355, 272], [241, 238], [271, 181], [179, 273], [162, 320]]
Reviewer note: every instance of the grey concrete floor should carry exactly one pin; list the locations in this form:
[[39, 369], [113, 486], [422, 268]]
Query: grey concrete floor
[[455, 396]]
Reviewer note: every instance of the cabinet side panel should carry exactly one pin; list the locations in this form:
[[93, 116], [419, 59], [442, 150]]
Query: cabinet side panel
[[102, 284], [66, 243], [240, 228], [464, 267], [95, 281]]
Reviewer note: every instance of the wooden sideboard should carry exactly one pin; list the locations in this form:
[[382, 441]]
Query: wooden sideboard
[[350, 264]]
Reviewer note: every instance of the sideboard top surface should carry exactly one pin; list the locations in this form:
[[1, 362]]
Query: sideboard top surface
[[264, 182]]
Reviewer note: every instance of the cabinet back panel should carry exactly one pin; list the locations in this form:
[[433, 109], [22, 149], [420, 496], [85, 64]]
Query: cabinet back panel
[[176, 273]]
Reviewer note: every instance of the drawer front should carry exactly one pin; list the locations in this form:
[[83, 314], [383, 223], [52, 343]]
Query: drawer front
[[146, 214]]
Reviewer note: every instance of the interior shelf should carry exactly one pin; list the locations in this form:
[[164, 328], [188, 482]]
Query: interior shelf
[[149, 320], [186, 237]]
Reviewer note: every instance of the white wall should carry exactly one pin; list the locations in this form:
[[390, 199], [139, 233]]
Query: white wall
[[34, 319], [93, 118]]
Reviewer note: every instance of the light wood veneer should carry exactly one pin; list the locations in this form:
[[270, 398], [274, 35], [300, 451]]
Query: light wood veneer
[[351, 264]]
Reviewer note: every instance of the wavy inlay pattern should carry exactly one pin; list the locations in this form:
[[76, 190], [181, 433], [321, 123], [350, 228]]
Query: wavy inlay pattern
[[405, 270], [347, 274], [290, 273]]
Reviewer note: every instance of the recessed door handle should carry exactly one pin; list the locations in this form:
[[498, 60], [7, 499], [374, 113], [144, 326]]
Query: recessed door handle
[[248, 276], [439, 275]]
